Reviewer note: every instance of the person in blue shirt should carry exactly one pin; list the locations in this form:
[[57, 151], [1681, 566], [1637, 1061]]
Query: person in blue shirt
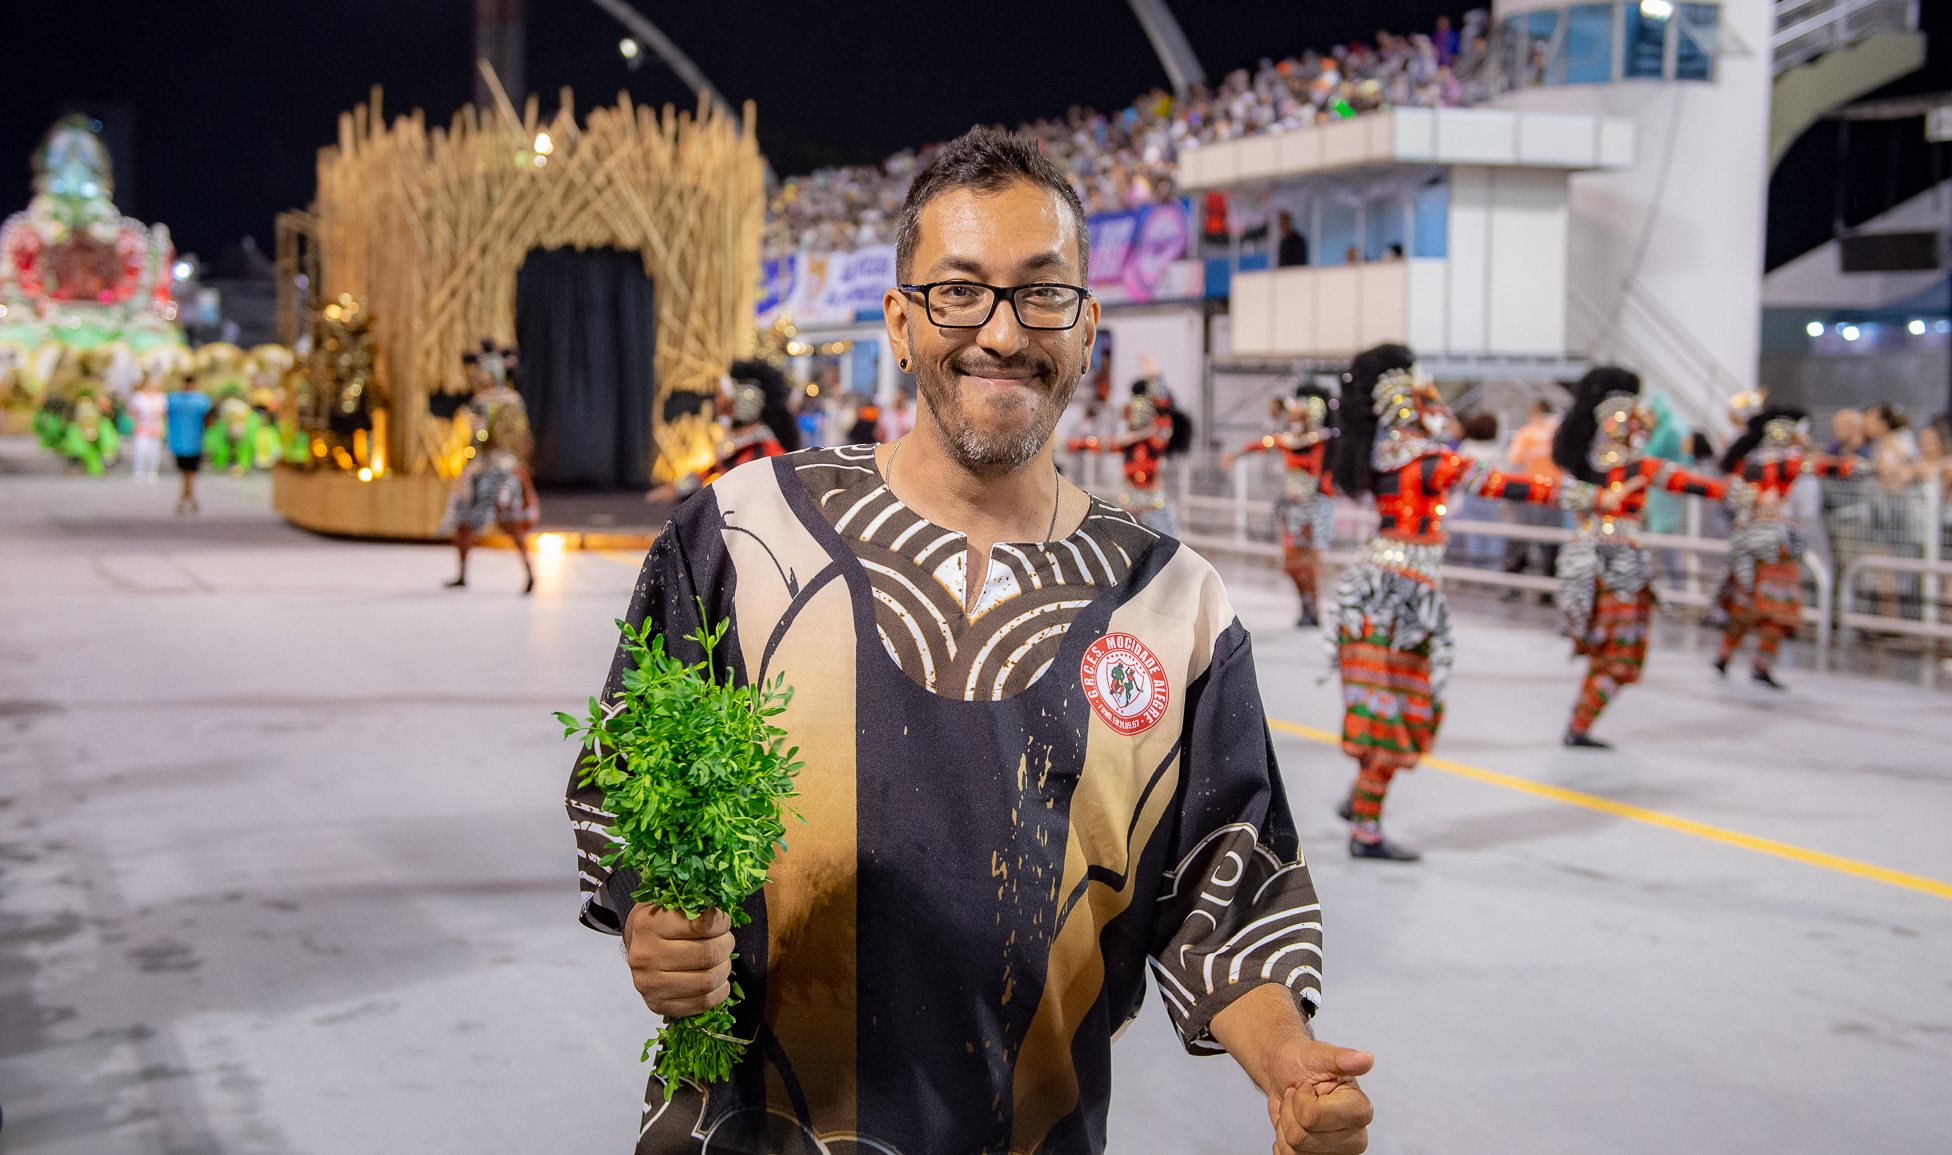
[[188, 412]]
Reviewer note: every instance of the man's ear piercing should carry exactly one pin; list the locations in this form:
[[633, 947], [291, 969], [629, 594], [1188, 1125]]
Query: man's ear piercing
[[904, 364]]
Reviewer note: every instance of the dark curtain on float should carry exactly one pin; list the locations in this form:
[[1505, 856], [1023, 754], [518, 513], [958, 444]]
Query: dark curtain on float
[[585, 329]]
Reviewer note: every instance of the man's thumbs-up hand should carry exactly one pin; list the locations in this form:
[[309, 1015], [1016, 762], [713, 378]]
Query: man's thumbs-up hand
[[1314, 1102]]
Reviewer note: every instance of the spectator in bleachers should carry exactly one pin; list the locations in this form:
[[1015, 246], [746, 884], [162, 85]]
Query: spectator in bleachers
[[1479, 442], [897, 420], [867, 423], [1847, 435], [1894, 529], [1479, 436], [1445, 40], [1530, 454], [1702, 453], [1935, 475], [1665, 511], [1934, 463], [1893, 446], [1293, 248]]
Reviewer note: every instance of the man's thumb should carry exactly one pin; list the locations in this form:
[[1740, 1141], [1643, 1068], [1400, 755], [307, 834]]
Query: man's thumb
[[1326, 1062]]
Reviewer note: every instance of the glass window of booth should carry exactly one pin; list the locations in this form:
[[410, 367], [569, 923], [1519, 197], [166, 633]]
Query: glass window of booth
[[1646, 41], [1694, 54], [1588, 53]]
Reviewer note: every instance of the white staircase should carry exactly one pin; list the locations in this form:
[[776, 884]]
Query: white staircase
[[1806, 29], [1829, 53]]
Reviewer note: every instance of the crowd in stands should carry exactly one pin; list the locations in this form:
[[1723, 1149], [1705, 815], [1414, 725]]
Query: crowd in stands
[[1130, 158]]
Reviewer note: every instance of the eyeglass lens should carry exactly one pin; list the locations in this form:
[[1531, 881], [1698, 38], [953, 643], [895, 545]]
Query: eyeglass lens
[[1037, 306]]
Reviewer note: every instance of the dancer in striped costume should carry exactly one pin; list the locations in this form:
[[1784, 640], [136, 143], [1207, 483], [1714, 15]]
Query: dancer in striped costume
[[1305, 513], [1391, 625], [1147, 440], [1763, 592], [1606, 577]]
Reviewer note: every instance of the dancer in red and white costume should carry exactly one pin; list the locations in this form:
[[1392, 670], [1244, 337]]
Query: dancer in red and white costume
[[1763, 592], [1606, 576], [1391, 629], [1305, 512], [1145, 441]]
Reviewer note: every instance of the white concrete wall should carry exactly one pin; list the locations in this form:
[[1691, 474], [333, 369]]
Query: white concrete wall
[[1526, 283], [1468, 262], [1682, 230], [1500, 290], [1478, 136], [1172, 335]]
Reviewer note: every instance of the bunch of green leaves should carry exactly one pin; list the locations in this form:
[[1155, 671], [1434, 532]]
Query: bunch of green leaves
[[697, 776]]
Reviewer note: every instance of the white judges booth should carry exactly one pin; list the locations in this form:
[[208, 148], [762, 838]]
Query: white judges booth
[[1445, 229]]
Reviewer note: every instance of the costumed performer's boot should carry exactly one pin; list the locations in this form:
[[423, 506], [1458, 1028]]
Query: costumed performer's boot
[[1382, 850]]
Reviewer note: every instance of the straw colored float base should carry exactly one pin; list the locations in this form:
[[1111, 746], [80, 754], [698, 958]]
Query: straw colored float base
[[397, 507]]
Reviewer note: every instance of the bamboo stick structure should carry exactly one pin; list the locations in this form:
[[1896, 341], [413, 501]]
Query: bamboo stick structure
[[430, 226]]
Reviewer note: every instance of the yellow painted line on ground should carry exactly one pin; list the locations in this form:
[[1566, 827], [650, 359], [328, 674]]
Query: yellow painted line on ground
[[1679, 825]]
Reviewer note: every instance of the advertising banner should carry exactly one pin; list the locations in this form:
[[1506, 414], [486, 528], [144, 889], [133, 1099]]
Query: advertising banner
[[826, 288], [1137, 255], [1133, 252]]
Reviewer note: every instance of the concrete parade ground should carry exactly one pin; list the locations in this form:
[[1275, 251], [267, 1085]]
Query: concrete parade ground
[[284, 869]]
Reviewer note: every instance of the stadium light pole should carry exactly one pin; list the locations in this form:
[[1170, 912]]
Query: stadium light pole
[[500, 38], [1169, 42], [648, 34]]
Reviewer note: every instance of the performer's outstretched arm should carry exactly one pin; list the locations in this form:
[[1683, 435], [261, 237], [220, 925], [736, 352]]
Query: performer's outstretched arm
[[1449, 470], [1827, 466], [1674, 479]]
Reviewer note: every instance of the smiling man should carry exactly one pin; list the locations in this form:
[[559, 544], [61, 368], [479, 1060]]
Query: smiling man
[[1036, 761]]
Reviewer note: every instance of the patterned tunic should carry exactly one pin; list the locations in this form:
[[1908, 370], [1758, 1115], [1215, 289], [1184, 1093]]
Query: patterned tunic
[[1011, 815]]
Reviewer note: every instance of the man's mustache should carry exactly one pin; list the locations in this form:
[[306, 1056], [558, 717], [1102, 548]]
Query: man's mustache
[[997, 367]]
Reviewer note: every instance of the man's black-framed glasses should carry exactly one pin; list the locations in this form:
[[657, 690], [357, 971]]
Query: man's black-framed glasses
[[971, 304]]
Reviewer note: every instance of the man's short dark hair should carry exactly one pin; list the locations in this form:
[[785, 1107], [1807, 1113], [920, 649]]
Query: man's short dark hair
[[988, 161]]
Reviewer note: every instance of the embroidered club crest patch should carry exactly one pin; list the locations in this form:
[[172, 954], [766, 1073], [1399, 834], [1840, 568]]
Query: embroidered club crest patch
[[1125, 683]]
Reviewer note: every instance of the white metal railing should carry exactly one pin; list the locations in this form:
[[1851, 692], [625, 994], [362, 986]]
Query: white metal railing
[[1806, 29], [1879, 563], [1930, 627], [1692, 591]]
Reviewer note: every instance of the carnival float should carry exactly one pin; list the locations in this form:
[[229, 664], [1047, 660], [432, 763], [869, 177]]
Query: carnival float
[[88, 313], [409, 260], [86, 308]]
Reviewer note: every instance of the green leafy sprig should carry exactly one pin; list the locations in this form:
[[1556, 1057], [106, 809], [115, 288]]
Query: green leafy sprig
[[695, 773]]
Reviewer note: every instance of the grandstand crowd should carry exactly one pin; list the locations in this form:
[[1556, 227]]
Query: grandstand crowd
[[1130, 158]]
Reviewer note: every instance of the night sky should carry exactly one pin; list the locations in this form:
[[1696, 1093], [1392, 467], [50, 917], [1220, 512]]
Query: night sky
[[228, 101]]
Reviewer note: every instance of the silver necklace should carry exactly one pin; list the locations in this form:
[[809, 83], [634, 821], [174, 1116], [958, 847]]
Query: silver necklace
[[1057, 487]]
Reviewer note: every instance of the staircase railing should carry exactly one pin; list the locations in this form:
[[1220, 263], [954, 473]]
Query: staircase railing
[[1662, 350], [1806, 29]]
